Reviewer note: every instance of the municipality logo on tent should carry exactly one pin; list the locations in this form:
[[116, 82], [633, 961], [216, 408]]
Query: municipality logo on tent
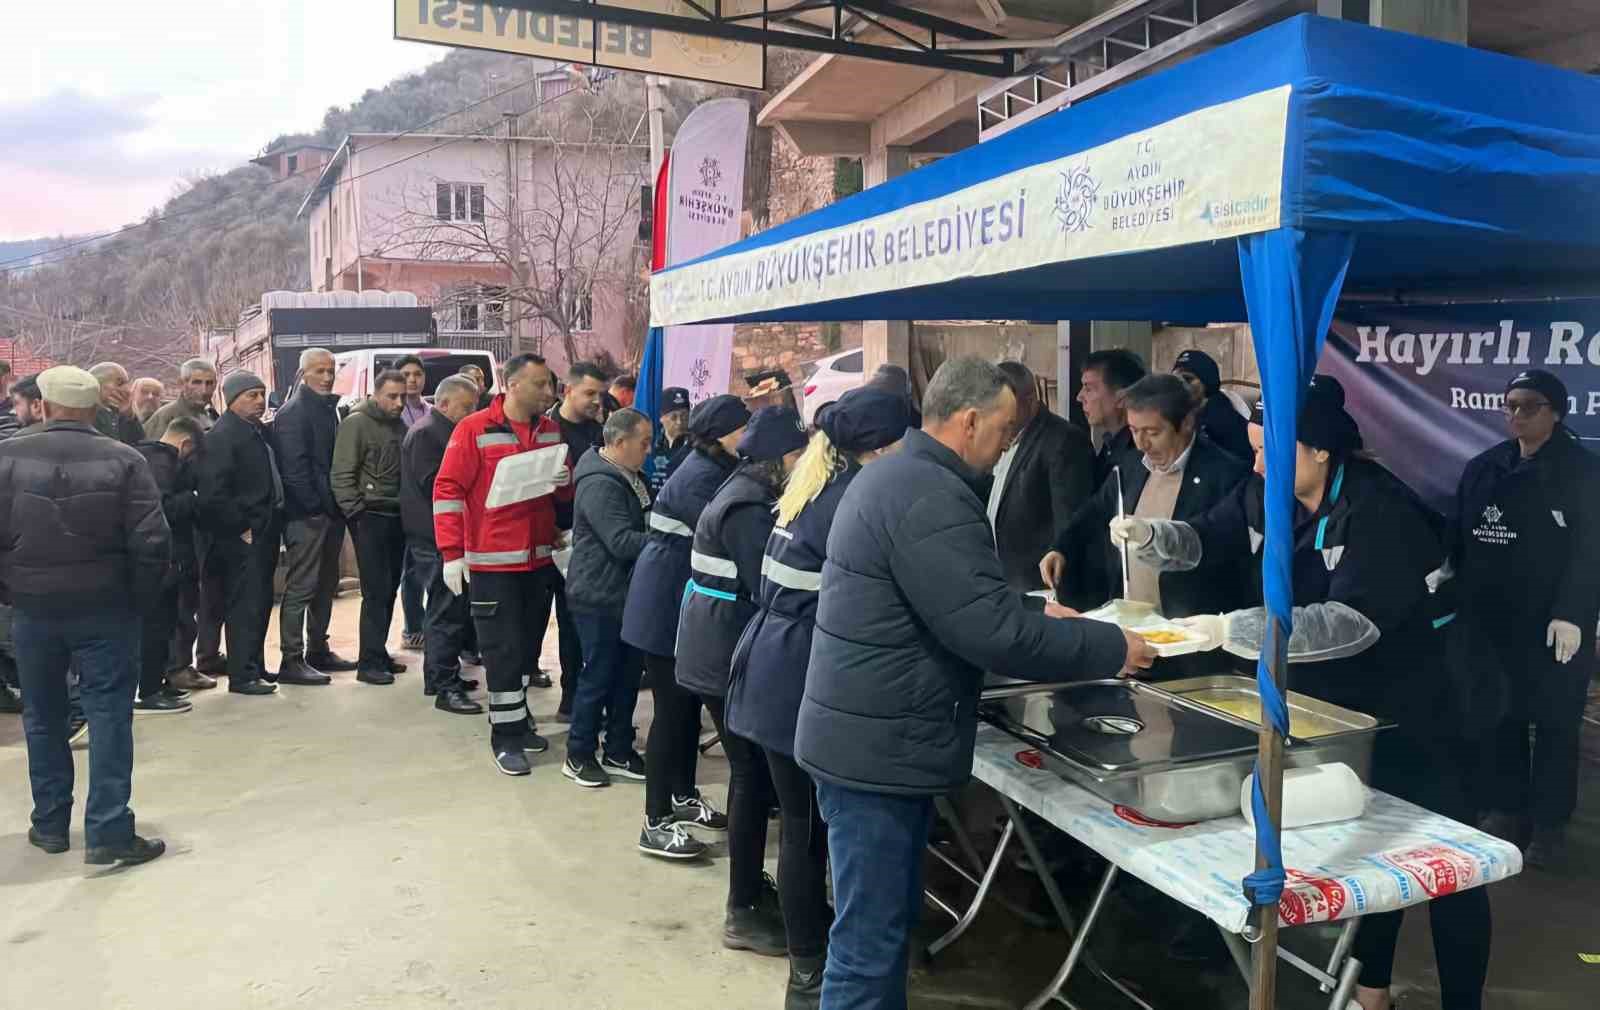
[[1075, 199]]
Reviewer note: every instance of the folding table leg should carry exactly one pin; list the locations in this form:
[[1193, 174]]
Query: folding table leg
[[971, 913], [1052, 990], [1046, 879]]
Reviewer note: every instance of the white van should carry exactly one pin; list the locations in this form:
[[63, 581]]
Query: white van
[[356, 369]]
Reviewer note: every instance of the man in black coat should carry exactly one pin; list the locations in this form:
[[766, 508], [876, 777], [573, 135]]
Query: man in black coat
[[914, 610], [578, 413], [446, 616], [1105, 374], [168, 458], [1038, 484], [672, 440], [82, 539], [1180, 474], [313, 533], [241, 506]]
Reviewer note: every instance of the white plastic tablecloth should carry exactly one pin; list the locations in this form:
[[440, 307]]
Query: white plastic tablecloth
[[1396, 854]]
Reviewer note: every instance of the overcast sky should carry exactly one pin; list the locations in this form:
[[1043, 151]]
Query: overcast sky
[[106, 104]]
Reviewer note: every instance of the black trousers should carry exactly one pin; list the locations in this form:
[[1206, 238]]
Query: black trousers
[[1428, 772], [380, 550], [509, 610], [672, 750], [568, 642], [245, 571], [1538, 777], [202, 608], [802, 858], [157, 626], [446, 619], [749, 800]]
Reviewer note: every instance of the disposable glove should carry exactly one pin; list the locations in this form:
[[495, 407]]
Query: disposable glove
[[1564, 637], [1439, 576], [1131, 530], [1322, 631], [455, 576]]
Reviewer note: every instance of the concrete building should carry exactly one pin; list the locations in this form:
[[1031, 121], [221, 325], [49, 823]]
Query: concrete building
[[518, 243]]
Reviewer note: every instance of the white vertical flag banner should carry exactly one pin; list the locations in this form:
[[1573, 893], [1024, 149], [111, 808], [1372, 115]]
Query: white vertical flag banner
[[705, 205]]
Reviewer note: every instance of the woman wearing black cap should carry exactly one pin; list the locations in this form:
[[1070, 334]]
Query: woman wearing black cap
[[1364, 637], [1218, 419], [769, 668], [723, 585], [650, 616], [1527, 548]]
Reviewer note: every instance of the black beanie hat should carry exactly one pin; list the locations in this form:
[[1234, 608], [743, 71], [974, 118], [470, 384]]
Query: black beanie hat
[[718, 416], [866, 418], [773, 433], [1545, 384], [1202, 366], [1323, 423]]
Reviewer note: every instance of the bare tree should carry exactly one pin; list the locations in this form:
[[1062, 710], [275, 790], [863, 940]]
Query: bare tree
[[563, 236]]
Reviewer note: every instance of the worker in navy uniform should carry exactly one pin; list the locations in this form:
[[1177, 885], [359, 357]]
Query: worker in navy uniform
[[769, 665], [1527, 554], [1181, 474], [1218, 420], [650, 616], [672, 444], [1364, 637], [730, 541]]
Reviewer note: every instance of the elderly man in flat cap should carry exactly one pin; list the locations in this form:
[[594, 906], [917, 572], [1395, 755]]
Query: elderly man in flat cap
[[73, 559], [241, 506]]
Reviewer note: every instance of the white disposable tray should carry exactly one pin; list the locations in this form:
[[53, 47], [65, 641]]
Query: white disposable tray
[[1136, 617], [526, 475]]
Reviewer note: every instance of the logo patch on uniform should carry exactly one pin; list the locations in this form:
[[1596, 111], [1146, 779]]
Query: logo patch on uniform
[[1561, 520], [1492, 514], [1492, 530], [1331, 556]]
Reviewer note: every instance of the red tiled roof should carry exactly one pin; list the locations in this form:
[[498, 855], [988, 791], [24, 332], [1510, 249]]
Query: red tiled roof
[[22, 361]]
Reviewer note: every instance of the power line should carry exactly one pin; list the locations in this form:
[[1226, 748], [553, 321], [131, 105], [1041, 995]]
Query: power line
[[8, 265]]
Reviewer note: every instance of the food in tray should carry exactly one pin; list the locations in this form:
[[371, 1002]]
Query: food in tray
[[1161, 636], [1302, 724]]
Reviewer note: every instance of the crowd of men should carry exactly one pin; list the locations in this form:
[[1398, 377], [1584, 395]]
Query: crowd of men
[[732, 547]]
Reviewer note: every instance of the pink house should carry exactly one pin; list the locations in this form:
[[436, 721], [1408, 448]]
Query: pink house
[[302, 159], [519, 244]]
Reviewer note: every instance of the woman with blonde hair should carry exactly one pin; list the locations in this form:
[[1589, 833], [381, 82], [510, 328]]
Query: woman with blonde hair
[[769, 665]]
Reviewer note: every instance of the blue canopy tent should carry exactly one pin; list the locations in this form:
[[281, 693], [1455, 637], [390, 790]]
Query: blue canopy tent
[[1257, 181]]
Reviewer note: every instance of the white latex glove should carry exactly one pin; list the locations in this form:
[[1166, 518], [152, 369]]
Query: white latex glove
[[1564, 637], [1131, 530], [1439, 576], [455, 576], [1213, 626]]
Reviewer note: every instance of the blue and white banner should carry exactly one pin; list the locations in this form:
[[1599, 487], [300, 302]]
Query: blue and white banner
[[1211, 174], [1426, 382]]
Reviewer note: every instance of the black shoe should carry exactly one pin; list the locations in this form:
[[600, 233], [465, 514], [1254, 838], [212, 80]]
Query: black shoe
[[539, 679], [471, 659], [252, 687], [10, 701], [176, 693], [667, 840], [217, 667], [395, 667], [160, 704], [693, 811], [295, 671], [757, 928], [457, 703], [533, 742], [805, 983], [375, 677], [134, 851], [586, 773], [630, 767], [329, 662], [270, 676], [467, 684], [53, 844], [511, 760]]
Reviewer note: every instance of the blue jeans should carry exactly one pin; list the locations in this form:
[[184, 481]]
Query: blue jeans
[[876, 842], [104, 648], [608, 689]]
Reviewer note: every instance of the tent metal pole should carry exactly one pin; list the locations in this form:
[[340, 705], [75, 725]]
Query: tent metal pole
[[1269, 765]]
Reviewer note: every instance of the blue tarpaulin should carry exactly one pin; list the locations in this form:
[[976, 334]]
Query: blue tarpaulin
[[1254, 182]]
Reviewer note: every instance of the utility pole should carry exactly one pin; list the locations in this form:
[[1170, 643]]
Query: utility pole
[[513, 232], [656, 109]]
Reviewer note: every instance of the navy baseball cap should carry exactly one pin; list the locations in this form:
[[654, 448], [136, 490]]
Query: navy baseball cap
[[674, 398]]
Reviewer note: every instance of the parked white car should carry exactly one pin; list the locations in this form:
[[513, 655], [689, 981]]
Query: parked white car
[[827, 379]]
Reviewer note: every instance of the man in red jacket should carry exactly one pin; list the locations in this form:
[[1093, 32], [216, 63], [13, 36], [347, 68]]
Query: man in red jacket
[[504, 553]]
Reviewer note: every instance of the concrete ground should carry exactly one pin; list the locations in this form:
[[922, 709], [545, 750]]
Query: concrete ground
[[348, 846]]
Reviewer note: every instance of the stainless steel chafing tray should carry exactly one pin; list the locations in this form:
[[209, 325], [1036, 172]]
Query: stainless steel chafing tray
[[1157, 750]]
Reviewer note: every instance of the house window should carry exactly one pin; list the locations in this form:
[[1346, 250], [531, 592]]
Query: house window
[[494, 317], [458, 201], [467, 316], [294, 163]]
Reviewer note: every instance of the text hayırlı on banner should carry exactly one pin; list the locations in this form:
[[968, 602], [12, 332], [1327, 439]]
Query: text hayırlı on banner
[[705, 205], [1427, 382], [1215, 173]]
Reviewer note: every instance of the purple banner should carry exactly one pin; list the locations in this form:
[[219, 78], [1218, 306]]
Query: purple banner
[[1426, 381]]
